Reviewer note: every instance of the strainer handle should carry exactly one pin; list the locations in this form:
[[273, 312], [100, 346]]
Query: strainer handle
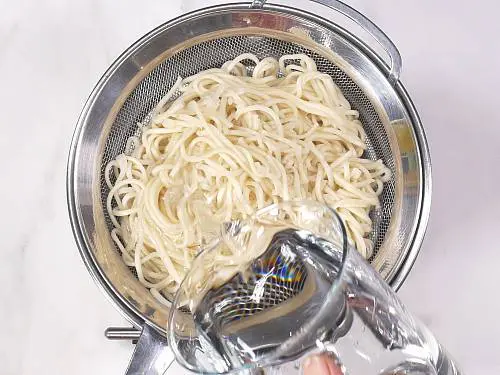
[[151, 355], [369, 27]]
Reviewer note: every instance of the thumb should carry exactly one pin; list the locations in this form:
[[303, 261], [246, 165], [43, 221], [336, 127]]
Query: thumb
[[321, 365]]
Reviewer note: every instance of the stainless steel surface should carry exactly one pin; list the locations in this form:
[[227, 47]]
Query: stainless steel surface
[[122, 333], [206, 38], [258, 3], [151, 356]]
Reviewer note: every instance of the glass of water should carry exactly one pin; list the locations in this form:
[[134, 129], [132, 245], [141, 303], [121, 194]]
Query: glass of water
[[284, 284]]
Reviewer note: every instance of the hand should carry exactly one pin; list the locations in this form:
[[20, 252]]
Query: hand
[[321, 365]]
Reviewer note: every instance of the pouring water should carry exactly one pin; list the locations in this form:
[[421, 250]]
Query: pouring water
[[307, 291]]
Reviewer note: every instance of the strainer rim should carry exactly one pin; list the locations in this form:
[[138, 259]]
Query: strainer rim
[[81, 237]]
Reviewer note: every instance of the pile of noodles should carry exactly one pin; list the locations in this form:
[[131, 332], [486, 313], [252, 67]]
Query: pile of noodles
[[236, 140]]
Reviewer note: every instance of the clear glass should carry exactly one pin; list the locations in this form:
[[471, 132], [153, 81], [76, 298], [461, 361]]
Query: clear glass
[[284, 284]]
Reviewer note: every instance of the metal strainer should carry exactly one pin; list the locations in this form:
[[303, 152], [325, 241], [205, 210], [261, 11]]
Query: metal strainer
[[207, 38]]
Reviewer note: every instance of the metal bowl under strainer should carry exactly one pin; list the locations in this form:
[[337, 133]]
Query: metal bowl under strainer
[[207, 38]]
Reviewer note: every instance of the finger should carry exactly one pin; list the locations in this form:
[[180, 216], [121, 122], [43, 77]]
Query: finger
[[321, 365]]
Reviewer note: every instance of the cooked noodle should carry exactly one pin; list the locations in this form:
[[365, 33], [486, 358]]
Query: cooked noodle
[[235, 141]]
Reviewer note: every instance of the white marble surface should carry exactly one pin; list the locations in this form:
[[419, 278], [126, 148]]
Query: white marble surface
[[53, 51]]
